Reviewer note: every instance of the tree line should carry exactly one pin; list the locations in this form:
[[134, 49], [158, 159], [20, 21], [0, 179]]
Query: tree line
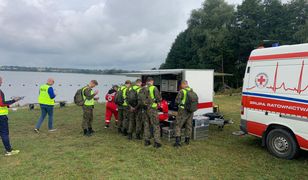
[[221, 36]]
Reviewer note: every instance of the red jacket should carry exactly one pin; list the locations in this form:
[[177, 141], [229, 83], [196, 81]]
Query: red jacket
[[110, 101], [163, 111]]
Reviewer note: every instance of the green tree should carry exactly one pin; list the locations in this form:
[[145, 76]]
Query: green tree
[[301, 35], [220, 37]]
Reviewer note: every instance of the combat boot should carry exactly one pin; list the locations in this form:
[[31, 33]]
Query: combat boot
[[177, 142], [138, 136], [157, 145], [125, 132], [119, 130], [86, 132], [91, 131], [129, 136], [147, 143], [187, 139]]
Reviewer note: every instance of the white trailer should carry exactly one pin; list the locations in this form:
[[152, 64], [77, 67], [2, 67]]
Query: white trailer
[[168, 81]]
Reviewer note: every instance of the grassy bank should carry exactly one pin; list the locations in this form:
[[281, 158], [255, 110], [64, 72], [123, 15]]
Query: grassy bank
[[66, 154]]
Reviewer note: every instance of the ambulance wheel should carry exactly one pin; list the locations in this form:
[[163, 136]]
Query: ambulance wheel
[[282, 144]]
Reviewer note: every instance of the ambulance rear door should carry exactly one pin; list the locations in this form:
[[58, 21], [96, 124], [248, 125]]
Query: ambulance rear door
[[202, 82]]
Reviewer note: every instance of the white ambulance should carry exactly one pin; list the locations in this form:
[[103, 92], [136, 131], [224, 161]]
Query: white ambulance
[[275, 99]]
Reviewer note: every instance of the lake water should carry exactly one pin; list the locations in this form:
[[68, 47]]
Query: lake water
[[66, 84]]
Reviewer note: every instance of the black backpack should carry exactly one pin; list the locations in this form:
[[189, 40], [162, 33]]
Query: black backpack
[[119, 99], [78, 98], [192, 101]]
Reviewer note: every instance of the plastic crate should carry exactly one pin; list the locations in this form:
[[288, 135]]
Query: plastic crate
[[200, 133], [200, 121], [169, 134]]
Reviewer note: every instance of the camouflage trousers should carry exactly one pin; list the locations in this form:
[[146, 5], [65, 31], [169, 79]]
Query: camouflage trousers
[[183, 118], [123, 118], [152, 120], [135, 122], [87, 117]]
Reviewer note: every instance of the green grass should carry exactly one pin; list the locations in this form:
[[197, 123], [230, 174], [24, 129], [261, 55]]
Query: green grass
[[66, 154]]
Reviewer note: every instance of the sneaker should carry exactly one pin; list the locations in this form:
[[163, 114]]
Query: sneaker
[[11, 153], [107, 126], [52, 130], [37, 130]]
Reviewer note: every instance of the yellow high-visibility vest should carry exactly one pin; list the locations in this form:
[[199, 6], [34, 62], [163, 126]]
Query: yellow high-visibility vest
[[4, 110], [88, 102], [124, 90], [137, 88], [44, 97], [152, 96]]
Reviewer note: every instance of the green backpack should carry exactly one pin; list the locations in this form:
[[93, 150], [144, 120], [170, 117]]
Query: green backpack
[[143, 97], [132, 97], [192, 101], [78, 98]]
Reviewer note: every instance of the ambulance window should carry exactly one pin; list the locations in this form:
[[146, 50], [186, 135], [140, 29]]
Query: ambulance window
[[248, 69]]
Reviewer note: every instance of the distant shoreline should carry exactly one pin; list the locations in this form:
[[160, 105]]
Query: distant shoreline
[[115, 74], [63, 70]]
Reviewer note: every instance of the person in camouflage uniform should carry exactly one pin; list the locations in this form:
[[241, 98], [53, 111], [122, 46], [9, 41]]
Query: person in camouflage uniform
[[89, 97], [134, 121], [153, 99], [142, 113], [123, 109], [183, 117]]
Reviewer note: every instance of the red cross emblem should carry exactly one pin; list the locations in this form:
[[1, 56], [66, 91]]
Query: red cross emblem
[[261, 80]]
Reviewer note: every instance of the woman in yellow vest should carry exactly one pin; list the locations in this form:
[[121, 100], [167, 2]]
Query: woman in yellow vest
[[4, 126], [46, 100]]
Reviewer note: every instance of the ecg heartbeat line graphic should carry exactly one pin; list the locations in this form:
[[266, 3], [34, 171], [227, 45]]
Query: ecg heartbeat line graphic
[[299, 89]]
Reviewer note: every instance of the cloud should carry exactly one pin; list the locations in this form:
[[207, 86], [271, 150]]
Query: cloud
[[134, 34]]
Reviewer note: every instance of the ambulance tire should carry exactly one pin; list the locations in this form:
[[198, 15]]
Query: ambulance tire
[[282, 144]]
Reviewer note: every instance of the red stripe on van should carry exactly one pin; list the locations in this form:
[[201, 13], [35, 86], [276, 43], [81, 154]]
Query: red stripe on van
[[273, 105], [255, 128], [303, 143], [279, 56], [205, 105]]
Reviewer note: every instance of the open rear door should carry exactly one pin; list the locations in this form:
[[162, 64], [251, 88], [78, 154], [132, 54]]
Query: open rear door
[[202, 82]]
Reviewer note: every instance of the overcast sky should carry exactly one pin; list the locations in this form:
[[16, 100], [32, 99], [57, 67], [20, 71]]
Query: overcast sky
[[95, 34]]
